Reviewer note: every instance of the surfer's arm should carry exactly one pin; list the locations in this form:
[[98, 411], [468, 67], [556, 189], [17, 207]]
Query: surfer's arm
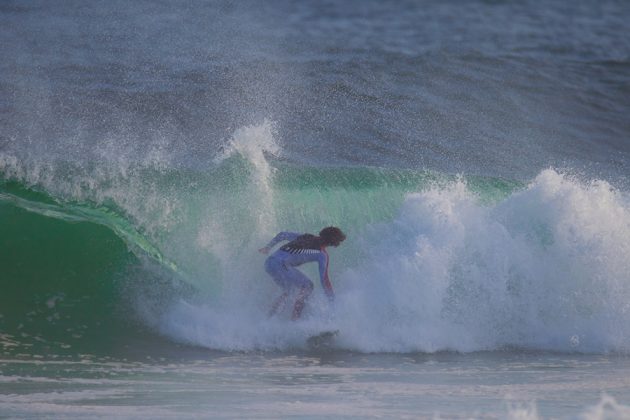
[[323, 276], [282, 236]]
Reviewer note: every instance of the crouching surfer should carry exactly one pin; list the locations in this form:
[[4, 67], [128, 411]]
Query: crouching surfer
[[301, 248]]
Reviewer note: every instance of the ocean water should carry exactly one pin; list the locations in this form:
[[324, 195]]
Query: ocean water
[[476, 154]]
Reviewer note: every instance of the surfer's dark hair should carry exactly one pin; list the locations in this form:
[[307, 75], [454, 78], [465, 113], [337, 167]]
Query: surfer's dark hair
[[332, 235]]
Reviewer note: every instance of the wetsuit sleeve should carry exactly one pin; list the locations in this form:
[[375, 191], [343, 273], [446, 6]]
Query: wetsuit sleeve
[[282, 236], [323, 276]]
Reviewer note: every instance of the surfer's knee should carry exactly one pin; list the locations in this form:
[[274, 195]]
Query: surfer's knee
[[306, 288]]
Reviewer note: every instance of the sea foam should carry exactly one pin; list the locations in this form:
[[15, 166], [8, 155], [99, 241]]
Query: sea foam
[[546, 268]]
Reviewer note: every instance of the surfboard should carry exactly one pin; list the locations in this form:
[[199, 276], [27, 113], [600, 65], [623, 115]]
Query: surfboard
[[323, 340]]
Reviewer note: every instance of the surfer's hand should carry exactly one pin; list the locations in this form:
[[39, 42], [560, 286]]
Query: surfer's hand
[[264, 250]]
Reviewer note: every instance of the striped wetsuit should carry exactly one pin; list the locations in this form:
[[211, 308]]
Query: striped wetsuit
[[302, 248]]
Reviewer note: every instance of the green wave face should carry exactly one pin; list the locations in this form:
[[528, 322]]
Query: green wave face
[[66, 274], [59, 282]]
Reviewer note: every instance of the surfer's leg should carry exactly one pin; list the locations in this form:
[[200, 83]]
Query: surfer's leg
[[276, 268], [282, 299], [300, 302], [278, 271], [290, 279], [305, 287]]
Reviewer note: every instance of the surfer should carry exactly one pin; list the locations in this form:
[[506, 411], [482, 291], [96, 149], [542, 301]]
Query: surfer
[[301, 248]]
